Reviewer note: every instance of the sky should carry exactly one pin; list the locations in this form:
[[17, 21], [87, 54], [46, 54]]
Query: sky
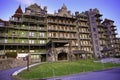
[[109, 8]]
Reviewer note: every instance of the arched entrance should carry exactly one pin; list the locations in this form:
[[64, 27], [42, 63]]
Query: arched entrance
[[62, 56]]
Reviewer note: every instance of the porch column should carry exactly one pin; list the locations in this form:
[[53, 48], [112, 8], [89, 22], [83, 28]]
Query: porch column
[[70, 53], [53, 55]]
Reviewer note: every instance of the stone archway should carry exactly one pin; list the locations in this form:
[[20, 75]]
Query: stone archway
[[62, 56]]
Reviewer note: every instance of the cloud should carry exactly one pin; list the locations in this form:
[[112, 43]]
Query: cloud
[[27, 2]]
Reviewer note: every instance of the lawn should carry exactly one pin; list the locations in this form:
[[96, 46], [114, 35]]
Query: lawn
[[63, 68]]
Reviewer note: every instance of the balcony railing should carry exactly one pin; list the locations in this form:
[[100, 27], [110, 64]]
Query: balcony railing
[[83, 26], [62, 23]]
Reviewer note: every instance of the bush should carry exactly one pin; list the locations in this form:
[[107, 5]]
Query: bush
[[11, 54], [117, 56]]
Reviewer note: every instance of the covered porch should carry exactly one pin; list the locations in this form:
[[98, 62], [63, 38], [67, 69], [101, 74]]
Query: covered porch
[[55, 55]]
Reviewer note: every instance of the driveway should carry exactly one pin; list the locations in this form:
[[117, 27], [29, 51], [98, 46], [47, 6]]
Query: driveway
[[108, 74], [6, 74]]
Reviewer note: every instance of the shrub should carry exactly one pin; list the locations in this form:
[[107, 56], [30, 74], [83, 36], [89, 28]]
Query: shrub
[[11, 54]]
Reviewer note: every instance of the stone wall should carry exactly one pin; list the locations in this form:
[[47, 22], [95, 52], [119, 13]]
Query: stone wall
[[11, 63]]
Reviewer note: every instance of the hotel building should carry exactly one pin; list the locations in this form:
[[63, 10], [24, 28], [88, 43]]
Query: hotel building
[[58, 36]]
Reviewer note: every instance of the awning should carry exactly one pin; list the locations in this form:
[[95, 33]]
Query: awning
[[56, 43]]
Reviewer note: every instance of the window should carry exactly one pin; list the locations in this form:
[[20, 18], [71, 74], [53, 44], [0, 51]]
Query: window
[[22, 50], [6, 40], [32, 50], [42, 35], [31, 27], [31, 33], [66, 35], [94, 29], [65, 28], [1, 24], [15, 19], [22, 33], [42, 41], [32, 11], [22, 41], [50, 35], [13, 33], [31, 41], [54, 34], [112, 45], [23, 25]]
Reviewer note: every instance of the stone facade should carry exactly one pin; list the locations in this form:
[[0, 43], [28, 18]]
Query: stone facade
[[11, 63]]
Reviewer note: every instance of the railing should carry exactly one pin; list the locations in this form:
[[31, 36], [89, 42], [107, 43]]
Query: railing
[[84, 32], [83, 26], [83, 19], [85, 38], [27, 27], [19, 42], [62, 23]]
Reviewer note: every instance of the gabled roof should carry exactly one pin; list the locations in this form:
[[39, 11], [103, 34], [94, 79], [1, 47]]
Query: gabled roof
[[64, 12], [64, 6], [1, 20], [83, 14], [36, 9], [108, 20], [34, 6], [18, 12]]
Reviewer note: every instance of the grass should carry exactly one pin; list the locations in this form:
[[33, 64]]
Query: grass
[[63, 68]]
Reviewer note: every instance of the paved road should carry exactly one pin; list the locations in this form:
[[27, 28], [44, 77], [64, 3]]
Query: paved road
[[6, 74], [109, 74]]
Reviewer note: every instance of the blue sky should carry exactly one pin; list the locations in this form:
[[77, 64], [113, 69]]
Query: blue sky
[[109, 8]]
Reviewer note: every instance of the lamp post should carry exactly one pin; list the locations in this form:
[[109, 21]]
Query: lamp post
[[27, 58]]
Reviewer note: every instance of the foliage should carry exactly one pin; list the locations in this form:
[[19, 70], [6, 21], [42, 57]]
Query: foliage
[[11, 54]]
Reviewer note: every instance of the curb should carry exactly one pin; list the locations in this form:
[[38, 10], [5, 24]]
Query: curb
[[20, 70]]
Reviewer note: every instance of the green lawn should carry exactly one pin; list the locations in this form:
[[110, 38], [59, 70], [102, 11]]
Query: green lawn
[[63, 68]]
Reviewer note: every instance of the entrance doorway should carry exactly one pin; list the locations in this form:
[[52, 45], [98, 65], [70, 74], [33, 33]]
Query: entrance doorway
[[62, 56], [43, 57]]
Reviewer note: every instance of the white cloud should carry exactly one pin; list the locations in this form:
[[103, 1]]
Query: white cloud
[[27, 2]]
